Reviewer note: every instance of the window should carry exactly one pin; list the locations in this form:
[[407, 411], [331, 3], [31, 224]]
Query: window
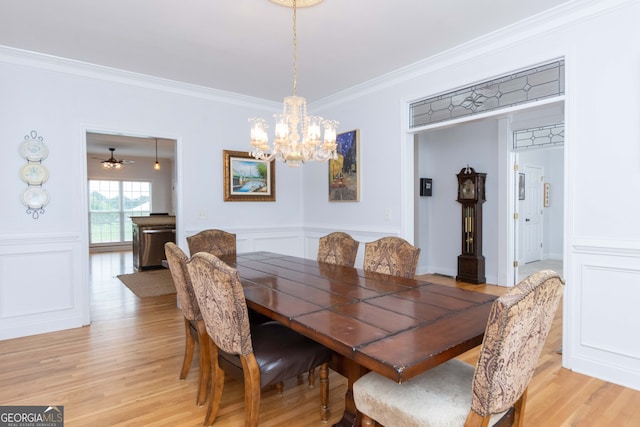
[[538, 137], [533, 84], [111, 203]]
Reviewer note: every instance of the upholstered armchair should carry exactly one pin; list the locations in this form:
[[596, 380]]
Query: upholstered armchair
[[216, 242], [391, 255], [263, 355], [456, 394], [338, 248], [194, 327]]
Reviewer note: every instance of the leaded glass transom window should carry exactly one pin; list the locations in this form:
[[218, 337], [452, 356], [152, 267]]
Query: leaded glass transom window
[[538, 137], [541, 82]]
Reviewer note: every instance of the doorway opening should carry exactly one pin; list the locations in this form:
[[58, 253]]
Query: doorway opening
[[141, 154], [487, 145], [539, 231], [132, 186]]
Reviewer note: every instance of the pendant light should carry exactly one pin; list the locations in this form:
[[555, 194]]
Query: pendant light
[[157, 165]]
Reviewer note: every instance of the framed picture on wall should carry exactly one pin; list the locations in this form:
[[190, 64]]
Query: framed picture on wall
[[344, 173], [521, 190], [247, 179]]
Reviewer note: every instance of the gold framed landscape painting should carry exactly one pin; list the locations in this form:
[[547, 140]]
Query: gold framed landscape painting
[[247, 179], [344, 173]]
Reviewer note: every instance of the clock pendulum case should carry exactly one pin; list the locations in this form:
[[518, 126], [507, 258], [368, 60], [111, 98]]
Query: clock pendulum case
[[471, 195]]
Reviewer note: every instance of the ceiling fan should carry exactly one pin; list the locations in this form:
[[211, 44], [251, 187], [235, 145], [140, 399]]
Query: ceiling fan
[[113, 163]]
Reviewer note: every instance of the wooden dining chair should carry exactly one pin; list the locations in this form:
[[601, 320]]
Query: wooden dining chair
[[219, 243], [216, 242], [338, 248], [456, 394], [195, 331], [263, 355], [391, 255]]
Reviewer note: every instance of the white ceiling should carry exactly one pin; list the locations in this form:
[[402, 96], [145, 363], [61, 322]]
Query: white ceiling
[[126, 147], [246, 46]]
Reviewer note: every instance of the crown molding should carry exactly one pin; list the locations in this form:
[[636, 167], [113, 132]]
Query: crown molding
[[536, 26], [83, 69]]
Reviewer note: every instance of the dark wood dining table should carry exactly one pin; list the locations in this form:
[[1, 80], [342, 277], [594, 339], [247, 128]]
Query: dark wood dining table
[[395, 326]]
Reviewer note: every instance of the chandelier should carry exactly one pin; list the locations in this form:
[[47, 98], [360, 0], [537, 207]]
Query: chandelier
[[297, 136]]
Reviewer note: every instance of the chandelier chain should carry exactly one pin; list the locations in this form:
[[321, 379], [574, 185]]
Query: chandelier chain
[[295, 51]]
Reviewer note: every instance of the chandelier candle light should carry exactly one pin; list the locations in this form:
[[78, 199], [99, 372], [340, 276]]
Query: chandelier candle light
[[297, 136]]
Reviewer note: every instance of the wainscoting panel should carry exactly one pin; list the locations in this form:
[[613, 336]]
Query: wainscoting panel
[[292, 240], [597, 327], [284, 240], [28, 280], [40, 285], [312, 238], [605, 323], [284, 244]]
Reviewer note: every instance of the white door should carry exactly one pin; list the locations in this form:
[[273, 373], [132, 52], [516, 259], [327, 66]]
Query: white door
[[530, 197]]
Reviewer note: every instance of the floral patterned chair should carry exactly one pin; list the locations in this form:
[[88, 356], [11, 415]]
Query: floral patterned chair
[[216, 242], [219, 243], [194, 327], [263, 355], [391, 255], [338, 248], [456, 394]]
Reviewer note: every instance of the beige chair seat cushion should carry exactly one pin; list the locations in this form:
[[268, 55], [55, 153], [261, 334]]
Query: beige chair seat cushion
[[440, 397]]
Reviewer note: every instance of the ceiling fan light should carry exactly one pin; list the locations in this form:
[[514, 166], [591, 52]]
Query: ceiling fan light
[[112, 162], [111, 165]]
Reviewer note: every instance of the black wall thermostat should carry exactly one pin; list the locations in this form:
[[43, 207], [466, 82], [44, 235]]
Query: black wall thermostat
[[426, 186]]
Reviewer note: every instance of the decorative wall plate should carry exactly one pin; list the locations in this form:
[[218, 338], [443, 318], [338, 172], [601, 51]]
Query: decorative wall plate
[[34, 173], [33, 150], [35, 197]]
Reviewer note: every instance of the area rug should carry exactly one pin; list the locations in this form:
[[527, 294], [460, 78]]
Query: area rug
[[151, 283]]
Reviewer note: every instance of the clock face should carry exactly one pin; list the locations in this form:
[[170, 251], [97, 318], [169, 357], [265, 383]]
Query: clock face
[[468, 190]]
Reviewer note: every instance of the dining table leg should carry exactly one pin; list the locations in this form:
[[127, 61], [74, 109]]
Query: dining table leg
[[352, 371]]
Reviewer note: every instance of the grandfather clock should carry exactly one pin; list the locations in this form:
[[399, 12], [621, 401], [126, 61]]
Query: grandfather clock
[[471, 196]]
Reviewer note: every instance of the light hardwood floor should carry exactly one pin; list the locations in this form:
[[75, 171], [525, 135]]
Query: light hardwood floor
[[552, 264], [123, 371]]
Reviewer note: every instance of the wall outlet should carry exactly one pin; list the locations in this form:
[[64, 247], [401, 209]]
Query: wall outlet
[[387, 214]]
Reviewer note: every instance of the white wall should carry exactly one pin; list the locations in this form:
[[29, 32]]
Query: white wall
[[379, 163]]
